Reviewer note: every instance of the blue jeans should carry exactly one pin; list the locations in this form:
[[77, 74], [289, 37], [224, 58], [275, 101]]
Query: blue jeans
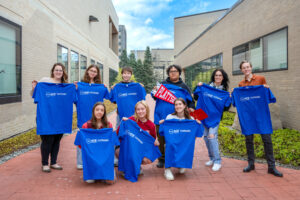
[[79, 156], [212, 143], [118, 121]]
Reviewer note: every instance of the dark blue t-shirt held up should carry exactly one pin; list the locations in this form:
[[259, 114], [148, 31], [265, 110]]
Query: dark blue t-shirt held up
[[97, 146], [88, 94], [252, 104], [54, 113], [180, 136], [212, 101], [126, 95], [135, 145]]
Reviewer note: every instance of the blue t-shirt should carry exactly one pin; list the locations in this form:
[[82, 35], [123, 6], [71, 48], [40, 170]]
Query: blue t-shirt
[[252, 104], [54, 113], [164, 108], [135, 145], [88, 94], [212, 101], [180, 136], [97, 146], [126, 95]]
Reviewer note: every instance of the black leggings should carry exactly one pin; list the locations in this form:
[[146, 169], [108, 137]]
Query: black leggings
[[50, 145]]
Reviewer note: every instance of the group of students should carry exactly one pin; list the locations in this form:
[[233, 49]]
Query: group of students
[[165, 142]]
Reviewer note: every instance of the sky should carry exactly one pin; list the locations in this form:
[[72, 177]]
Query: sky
[[150, 22]]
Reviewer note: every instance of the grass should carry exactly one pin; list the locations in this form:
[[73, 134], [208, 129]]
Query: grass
[[30, 137]]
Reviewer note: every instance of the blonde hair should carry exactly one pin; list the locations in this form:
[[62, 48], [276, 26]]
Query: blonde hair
[[147, 109]]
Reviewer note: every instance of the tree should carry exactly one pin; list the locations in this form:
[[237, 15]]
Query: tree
[[123, 59], [148, 78], [132, 62], [139, 71]]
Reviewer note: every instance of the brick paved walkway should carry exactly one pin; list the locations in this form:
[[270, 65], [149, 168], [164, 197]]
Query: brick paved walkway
[[22, 178]]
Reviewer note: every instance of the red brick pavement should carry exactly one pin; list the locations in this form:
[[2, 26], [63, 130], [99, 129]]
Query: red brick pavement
[[22, 178]]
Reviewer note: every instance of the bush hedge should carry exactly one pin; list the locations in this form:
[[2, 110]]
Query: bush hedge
[[286, 143]]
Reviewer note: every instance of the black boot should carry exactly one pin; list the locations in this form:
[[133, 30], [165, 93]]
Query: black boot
[[249, 168], [160, 164], [275, 172]]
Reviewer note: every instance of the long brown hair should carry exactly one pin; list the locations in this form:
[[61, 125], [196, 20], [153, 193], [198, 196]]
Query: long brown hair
[[185, 111], [64, 78], [104, 117], [147, 109], [86, 77]]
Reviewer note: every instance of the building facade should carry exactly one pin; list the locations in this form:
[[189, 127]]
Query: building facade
[[36, 34], [122, 39], [161, 59], [187, 28], [263, 32]]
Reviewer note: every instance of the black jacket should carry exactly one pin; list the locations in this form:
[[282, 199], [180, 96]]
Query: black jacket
[[180, 83]]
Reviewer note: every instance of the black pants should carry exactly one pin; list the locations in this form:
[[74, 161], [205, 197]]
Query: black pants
[[162, 142], [268, 147], [50, 145]]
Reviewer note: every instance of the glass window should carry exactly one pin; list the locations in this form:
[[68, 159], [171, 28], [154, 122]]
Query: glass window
[[10, 62], [92, 61], [101, 70], [251, 51], [201, 71], [83, 65], [62, 56], [265, 53], [276, 50], [74, 67]]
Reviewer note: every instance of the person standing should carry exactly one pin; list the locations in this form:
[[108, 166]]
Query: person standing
[[214, 108], [174, 72], [51, 142], [251, 79]]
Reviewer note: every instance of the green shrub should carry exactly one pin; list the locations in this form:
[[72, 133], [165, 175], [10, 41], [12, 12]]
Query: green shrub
[[286, 143]]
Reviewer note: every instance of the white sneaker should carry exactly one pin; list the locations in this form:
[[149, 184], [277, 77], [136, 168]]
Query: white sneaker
[[209, 163], [216, 167], [116, 161], [181, 170], [90, 181], [79, 167], [169, 175]]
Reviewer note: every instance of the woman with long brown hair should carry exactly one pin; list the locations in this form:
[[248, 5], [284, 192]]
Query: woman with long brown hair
[[89, 91], [98, 121], [181, 112]]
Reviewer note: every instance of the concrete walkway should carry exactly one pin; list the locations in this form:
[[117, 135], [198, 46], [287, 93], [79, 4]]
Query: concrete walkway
[[22, 178]]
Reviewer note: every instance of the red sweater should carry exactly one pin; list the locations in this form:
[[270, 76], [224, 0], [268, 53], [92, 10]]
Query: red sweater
[[88, 124], [148, 126]]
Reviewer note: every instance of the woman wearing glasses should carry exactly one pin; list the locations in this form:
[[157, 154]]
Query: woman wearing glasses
[[50, 143]]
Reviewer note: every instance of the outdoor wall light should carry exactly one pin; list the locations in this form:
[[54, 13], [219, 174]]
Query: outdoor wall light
[[93, 19]]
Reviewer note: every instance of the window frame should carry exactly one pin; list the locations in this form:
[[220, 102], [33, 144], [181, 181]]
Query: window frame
[[14, 98], [239, 72], [68, 56]]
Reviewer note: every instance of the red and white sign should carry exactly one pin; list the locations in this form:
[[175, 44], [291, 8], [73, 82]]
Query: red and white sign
[[164, 94]]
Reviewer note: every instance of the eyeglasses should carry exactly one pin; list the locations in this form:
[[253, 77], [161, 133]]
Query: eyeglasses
[[173, 71], [94, 71], [58, 70]]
